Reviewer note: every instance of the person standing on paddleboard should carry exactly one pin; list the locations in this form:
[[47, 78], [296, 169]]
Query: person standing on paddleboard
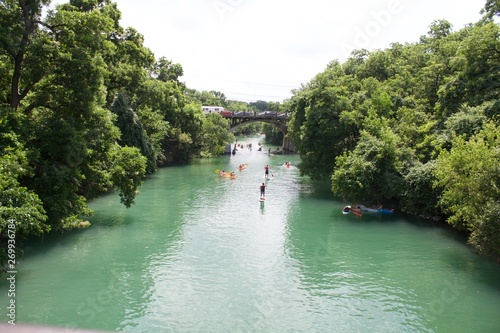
[[263, 191], [267, 171]]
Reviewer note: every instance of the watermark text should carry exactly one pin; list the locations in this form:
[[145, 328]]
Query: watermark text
[[12, 272]]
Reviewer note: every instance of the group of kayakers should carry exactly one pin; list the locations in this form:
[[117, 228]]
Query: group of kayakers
[[232, 175], [225, 174]]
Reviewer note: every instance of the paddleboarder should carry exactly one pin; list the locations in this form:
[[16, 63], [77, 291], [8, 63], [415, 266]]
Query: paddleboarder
[[263, 191]]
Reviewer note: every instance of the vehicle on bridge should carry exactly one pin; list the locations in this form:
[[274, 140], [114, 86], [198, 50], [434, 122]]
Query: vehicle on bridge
[[265, 115], [226, 113], [209, 109], [241, 114]]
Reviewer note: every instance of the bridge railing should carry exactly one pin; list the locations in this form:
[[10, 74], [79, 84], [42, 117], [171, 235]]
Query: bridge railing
[[255, 114]]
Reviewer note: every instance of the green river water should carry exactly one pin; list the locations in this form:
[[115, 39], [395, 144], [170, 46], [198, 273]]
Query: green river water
[[198, 253]]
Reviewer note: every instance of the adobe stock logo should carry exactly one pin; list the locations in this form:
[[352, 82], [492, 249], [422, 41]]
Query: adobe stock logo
[[222, 7], [364, 36]]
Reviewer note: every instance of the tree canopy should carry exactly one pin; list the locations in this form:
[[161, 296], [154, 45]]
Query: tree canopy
[[86, 108], [414, 124]]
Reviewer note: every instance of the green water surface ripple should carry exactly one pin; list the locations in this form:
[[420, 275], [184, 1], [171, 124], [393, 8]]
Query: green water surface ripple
[[199, 253]]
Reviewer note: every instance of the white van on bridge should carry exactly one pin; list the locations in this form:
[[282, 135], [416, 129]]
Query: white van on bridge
[[209, 109]]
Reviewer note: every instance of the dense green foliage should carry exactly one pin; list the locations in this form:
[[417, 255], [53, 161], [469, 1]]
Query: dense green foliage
[[215, 136], [416, 124], [272, 133], [17, 203], [85, 108], [470, 176]]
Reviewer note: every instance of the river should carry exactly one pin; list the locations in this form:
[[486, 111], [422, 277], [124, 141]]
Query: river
[[200, 253]]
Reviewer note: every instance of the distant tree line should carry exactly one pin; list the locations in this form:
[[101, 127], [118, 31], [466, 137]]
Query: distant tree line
[[417, 124]]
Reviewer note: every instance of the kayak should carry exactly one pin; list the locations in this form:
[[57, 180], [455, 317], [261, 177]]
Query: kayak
[[228, 175], [365, 209], [349, 209], [359, 209]]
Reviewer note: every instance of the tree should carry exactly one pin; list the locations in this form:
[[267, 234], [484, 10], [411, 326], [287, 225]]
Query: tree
[[439, 29], [165, 70], [374, 168], [204, 97], [163, 103], [21, 210], [22, 41], [298, 105], [491, 9], [480, 65], [190, 128], [220, 97], [470, 177], [417, 129], [378, 123], [157, 130], [215, 135], [467, 122], [317, 127], [129, 168], [129, 63], [275, 106], [273, 134], [420, 197], [58, 72], [376, 66], [259, 105], [236, 106], [132, 131]]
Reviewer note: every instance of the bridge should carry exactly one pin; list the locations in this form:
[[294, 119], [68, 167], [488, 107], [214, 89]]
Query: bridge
[[278, 119]]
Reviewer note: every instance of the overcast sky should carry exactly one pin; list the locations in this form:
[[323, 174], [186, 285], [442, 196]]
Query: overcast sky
[[261, 49]]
